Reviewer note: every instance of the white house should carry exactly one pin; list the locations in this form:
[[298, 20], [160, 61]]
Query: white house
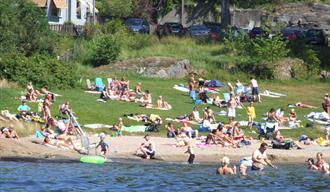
[[77, 12]]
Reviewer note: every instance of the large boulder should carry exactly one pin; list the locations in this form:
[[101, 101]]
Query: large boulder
[[159, 67], [289, 68]]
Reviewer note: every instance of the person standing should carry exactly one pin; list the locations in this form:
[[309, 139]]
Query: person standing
[[326, 103], [260, 159], [251, 112], [231, 107], [255, 90]]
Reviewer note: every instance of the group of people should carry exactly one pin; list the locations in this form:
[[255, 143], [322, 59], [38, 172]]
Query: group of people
[[120, 90], [8, 132]]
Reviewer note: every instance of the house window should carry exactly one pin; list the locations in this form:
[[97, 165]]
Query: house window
[[55, 12], [78, 10]]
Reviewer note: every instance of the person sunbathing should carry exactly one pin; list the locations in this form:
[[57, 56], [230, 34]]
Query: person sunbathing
[[138, 88], [189, 131], [6, 115], [118, 127], [280, 138], [46, 109], [171, 132], [213, 138], [280, 116], [8, 132], [326, 103], [146, 99], [216, 101], [209, 114], [194, 115], [32, 94], [161, 104], [271, 116], [224, 169], [104, 94], [237, 133], [227, 140], [61, 143], [292, 115], [24, 112], [65, 108]]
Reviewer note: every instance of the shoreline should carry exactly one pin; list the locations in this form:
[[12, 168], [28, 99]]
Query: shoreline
[[123, 148]]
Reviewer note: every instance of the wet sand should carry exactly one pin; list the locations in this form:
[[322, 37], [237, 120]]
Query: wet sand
[[26, 149]]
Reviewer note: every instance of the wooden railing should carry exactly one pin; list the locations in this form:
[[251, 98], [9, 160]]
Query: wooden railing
[[67, 29]]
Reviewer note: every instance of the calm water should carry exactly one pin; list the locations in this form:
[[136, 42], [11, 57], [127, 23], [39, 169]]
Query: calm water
[[130, 176]]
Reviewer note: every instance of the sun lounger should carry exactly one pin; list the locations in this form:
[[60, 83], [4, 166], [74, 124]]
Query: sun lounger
[[99, 84]]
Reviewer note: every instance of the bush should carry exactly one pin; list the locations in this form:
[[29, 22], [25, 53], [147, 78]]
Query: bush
[[40, 69], [303, 51], [139, 41], [260, 53], [107, 49]]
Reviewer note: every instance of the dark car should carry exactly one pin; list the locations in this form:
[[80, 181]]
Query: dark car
[[293, 33], [137, 25], [258, 32], [316, 37], [173, 29], [199, 31]]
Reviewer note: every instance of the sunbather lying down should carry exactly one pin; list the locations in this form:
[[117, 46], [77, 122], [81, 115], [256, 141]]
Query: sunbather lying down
[[61, 143], [302, 105]]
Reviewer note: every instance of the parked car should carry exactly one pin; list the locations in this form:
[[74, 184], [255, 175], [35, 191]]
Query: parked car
[[258, 31], [293, 33], [170, 28], [316, 36], [199, 31], [137, 25]]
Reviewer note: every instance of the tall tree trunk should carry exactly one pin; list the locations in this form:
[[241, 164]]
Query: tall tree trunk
[[225, 13]]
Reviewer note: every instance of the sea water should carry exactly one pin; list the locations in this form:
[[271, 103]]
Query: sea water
[[145, 176]]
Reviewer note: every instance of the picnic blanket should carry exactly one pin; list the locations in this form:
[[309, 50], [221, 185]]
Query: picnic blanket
[[135, 128]]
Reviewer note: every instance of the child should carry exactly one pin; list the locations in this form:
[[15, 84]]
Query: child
[[103, 144], [251, 112], [119, 127], [190, 151]]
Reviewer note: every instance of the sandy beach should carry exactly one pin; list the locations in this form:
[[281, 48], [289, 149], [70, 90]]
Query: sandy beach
[[28, 149]]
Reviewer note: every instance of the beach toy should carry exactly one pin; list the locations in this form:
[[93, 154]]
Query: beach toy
[[92, 159]]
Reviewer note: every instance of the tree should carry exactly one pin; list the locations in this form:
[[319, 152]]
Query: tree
[[225, 13], [24, 27], [116, 8]]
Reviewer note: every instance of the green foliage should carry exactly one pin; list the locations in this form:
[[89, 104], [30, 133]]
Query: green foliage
[[303, 51], [107, 49], [260, 52], [138, 41], [113, 26], [40, 69], [23, 27], [116, 8]]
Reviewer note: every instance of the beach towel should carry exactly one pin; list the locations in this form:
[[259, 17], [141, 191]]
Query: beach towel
[[135, 128], [181, 88], [268, 94], [99, 84], [93, 92], [182, 121], [154, 107], [96, 126]]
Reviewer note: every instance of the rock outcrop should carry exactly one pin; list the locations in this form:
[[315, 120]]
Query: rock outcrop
[[159, 67]]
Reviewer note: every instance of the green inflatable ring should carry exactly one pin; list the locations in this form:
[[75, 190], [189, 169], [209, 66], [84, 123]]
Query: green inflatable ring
[[92, 159]]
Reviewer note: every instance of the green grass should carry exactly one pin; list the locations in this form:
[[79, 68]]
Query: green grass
[[90, 111]]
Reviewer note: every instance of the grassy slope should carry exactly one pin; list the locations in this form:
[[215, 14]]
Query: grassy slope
[[90, 111]]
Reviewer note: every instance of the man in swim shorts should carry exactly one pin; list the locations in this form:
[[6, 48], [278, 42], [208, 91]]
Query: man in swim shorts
[[260, 159]]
